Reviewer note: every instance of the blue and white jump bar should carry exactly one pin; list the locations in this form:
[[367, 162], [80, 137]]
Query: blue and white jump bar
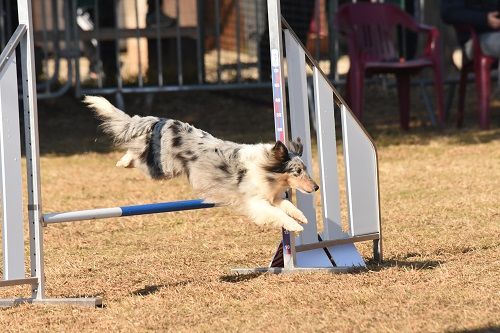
[[102, 213]]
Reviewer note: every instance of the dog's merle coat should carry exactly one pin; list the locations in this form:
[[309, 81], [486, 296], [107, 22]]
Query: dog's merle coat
[[250, 177]]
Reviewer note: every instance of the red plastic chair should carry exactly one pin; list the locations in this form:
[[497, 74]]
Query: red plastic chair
[[370, 30], [481, 65]]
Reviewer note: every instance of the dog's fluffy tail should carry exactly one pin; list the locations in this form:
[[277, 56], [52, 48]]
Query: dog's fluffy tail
[[123, 128]]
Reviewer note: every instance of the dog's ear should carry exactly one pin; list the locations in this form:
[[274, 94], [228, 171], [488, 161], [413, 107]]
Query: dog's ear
[[280, 151], [296, 147], [278, 158]]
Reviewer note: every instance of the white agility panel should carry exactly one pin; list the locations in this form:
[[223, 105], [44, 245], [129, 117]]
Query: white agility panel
[[327, 155], [361, 177], [10, 174], [300, 127], [346, 254]]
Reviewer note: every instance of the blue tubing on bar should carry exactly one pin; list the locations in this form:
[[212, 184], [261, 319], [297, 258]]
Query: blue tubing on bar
[[165, 207]]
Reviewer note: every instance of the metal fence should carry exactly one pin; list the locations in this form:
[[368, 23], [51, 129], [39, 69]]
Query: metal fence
[[127, 46]]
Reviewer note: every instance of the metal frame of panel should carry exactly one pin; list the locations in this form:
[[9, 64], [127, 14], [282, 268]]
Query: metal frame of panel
[[339, 101], [337, 245]]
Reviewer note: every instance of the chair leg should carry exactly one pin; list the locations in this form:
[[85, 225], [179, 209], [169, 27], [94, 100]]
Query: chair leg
[[356, 90], [483, 90], [403, 81], [461, 97], [439, 92]]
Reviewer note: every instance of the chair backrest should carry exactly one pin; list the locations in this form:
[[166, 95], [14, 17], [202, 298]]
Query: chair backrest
[[370, 29]]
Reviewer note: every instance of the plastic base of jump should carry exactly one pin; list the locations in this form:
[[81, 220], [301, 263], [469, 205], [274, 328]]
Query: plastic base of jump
[[281, 270], [83, 301]]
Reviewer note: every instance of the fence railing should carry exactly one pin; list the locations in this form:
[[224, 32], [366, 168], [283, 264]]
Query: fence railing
[[132, 46]]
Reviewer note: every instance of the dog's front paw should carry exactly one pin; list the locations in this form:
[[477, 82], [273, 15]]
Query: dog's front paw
[[295, 227], [301, 218]]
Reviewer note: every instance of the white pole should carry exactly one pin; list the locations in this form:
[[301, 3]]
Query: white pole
[[279, 97], [32, 148]]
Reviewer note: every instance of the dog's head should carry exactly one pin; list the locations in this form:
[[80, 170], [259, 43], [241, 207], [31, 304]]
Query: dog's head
[[288, 164]]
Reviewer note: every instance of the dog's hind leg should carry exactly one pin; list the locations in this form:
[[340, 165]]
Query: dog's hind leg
[[262, 212], [291, 210]]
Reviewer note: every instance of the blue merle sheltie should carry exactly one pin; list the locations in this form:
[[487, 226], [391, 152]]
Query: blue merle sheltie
[[250, 177]]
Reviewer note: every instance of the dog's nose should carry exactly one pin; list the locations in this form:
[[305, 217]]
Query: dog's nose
[[316, 187]]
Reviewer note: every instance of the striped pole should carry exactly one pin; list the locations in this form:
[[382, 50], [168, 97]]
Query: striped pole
[[102, 213], [280, 113]]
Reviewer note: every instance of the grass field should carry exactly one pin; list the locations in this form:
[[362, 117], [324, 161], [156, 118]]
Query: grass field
[[440, 194]]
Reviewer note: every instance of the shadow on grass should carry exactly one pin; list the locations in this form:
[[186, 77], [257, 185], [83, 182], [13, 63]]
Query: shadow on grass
[[149, 290], [371, 265], [403, 263], [235, 278], [487, 329]]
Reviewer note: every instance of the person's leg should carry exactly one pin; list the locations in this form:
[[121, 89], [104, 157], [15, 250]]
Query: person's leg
[[490, 43], [152, 15], [298, 14], [108, 48], [152, 6]]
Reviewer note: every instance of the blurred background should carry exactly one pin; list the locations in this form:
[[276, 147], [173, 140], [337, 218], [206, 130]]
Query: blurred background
[[110, 46]]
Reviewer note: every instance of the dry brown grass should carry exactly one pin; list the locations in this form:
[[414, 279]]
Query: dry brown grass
[[441, 222]]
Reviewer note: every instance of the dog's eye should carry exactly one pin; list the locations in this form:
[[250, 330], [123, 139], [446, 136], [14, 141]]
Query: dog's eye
[[299, 171]]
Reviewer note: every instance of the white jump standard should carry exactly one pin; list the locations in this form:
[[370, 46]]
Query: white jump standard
[[332, 250]]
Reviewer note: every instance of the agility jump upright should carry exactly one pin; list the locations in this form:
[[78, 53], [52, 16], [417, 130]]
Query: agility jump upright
[[333, 249]]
